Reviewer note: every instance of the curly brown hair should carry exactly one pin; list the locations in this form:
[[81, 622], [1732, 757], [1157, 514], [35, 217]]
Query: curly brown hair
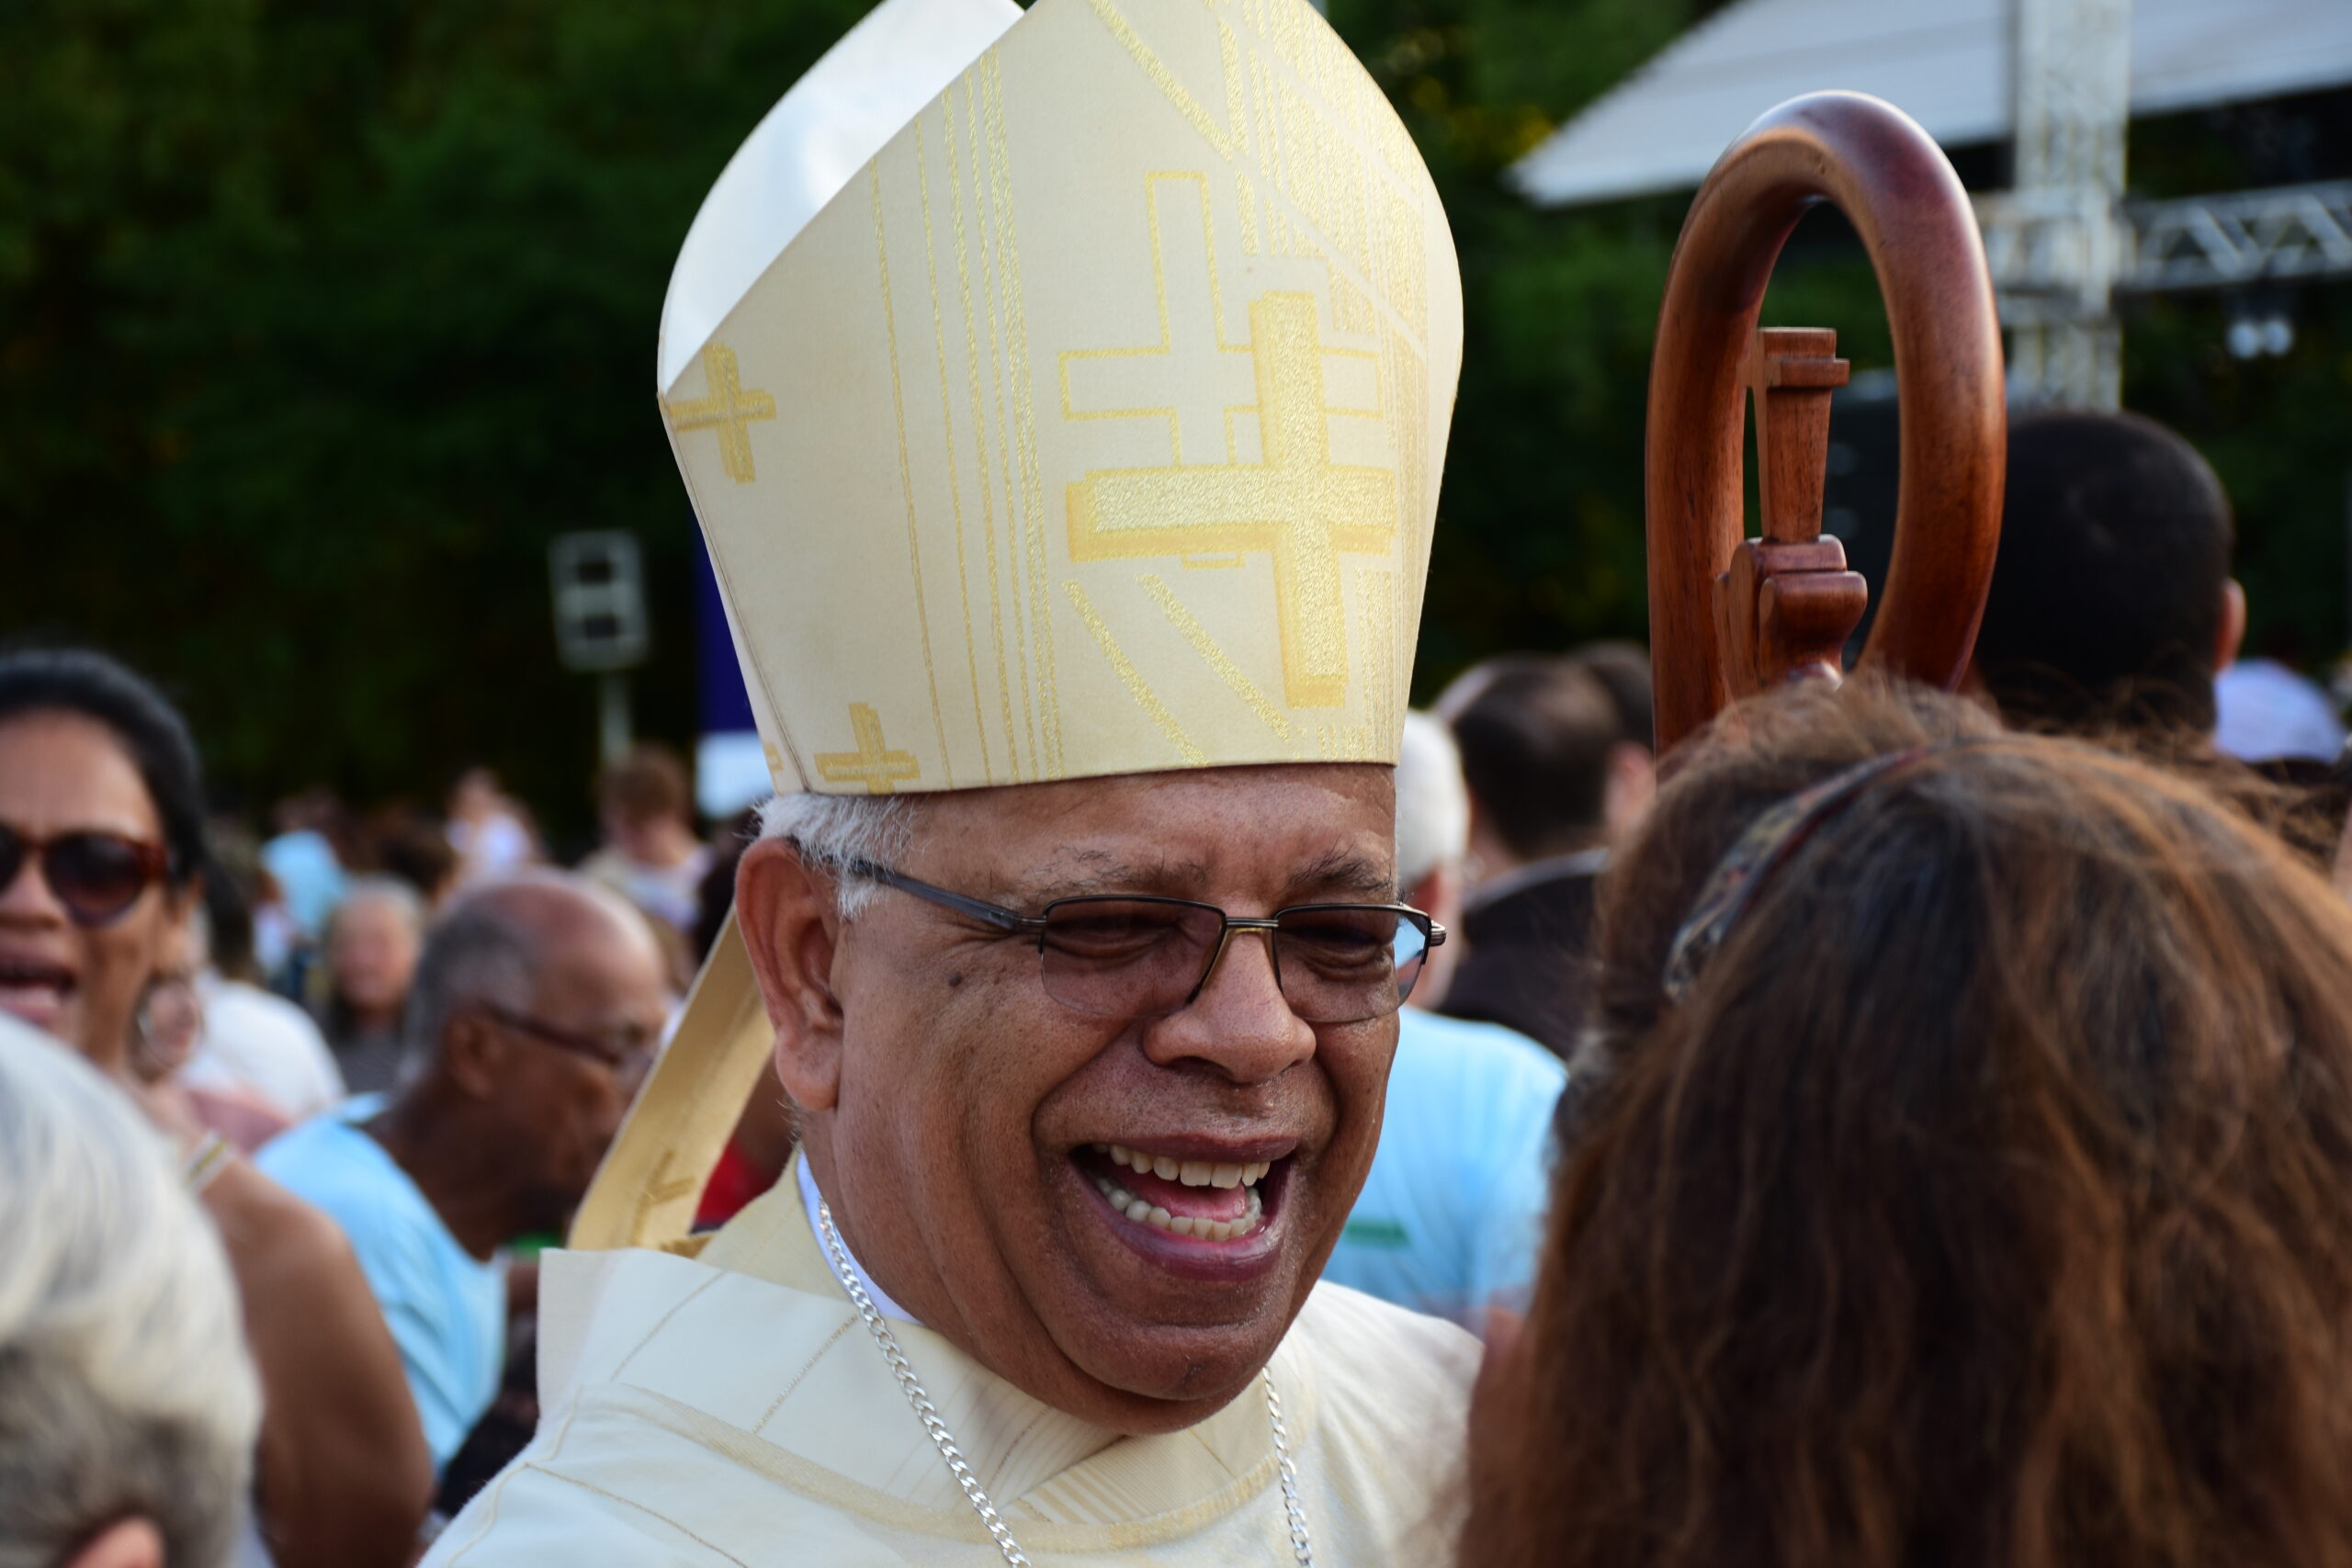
[[1987, 1202]]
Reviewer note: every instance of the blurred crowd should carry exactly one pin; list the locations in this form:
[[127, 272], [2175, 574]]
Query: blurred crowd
[[1733, 1071]]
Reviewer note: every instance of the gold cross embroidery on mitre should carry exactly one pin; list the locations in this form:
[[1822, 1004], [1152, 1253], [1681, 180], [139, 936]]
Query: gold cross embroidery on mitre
[[1191, 376], [730, 410], [1296, 504], [873, 764]]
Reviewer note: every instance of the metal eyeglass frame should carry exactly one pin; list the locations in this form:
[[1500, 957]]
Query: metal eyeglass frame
[[1037, 925]]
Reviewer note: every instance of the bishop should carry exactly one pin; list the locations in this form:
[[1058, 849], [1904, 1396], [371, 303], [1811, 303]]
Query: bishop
[[1073, 936]]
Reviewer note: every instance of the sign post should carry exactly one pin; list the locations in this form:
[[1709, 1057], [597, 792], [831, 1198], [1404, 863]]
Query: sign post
[[600, 626]]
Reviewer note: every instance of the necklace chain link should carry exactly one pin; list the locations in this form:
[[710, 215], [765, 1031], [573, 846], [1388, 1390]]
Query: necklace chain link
[[837, 1254]]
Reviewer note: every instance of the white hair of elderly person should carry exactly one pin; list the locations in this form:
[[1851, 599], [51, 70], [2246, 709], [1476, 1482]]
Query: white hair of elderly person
[[127, 1403], [1432, 838]]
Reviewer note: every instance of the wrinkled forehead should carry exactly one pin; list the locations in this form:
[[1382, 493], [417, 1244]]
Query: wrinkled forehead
[[1304, 830]]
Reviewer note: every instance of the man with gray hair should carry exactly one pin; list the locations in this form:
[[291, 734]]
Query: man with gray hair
[[128, 1404], [1451, 1217], [537, 1009]]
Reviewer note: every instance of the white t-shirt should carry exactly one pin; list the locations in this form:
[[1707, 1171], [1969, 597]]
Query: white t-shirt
[[260, 1044]]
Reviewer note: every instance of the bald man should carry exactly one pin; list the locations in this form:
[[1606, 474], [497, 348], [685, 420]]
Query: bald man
[[537, 1008]]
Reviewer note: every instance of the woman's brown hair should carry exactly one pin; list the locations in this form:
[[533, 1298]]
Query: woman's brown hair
[[1987, 1201]]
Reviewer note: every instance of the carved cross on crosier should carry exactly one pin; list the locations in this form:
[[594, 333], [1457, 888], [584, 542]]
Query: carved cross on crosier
[[1787, 604]]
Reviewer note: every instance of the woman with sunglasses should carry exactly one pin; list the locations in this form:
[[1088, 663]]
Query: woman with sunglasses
[[101, 857]]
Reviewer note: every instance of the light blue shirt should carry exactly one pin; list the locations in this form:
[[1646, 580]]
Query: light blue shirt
[[446, 1308], [1452, 1216], [303, 866]]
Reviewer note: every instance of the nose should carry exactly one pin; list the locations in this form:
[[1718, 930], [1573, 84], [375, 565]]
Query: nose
[[28, 899], [1241, 1024]]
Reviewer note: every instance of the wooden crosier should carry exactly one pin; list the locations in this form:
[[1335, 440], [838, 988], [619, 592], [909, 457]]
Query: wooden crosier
[[1730, 615]]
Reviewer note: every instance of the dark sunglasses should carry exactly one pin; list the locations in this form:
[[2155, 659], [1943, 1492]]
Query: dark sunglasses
[[97, 876]]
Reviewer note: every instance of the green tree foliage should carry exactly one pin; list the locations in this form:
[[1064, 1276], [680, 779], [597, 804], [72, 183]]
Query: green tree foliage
[[1540, 525], [317, 320]]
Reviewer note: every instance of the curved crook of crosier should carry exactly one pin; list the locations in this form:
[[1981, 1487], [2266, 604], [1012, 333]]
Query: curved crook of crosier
[[1895, 186]]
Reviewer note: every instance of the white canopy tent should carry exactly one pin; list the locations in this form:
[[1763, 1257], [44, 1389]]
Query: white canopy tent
[[1947, 63]]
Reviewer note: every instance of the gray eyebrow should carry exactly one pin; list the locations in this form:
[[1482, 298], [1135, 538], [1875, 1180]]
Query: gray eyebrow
[[1104, 872], [1339, 872], [1345, 870]]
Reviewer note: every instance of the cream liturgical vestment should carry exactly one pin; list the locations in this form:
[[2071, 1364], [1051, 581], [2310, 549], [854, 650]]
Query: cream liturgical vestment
[[732, 1409]]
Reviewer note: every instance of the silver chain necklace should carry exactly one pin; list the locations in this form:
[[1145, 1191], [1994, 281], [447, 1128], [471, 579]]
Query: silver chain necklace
[[944, 1440]]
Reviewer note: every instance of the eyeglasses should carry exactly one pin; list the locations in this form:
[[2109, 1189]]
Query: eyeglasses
[[97, 876], [1134, 956], [628, 1060]]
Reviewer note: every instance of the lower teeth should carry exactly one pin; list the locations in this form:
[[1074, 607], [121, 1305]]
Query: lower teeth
[[1151, 1214]]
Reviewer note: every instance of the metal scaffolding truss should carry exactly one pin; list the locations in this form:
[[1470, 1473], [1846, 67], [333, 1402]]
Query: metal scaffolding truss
[[2053, 254], [2299, 232], [2045, 248]]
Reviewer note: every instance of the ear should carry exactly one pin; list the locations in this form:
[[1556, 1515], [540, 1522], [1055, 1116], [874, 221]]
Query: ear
[[1485, 855], [472, 1053], [1632, 785], [792, 928], [2231, 634], [182, 903], [126, 1543], [176, 945]]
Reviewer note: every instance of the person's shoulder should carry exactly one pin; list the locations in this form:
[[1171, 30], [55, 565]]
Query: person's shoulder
[[603, 863], [282, 1240], [619, 1476], [319, 1147], [1391, 1388], [332, 1163], [1381, 1350], [1464, 1052], [256, 1005], [272, 1037]]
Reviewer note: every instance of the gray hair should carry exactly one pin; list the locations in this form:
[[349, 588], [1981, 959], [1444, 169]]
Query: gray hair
[[1433, 803], [124, 1387], [836, 831], [379, 889], [482, 951]]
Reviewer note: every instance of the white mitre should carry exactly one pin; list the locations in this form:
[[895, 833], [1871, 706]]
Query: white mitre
[[1094, 425], [1061, 394]]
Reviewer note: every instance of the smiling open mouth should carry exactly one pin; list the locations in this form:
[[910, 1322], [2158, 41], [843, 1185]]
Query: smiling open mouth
[[34, 990], [1203, 1200]]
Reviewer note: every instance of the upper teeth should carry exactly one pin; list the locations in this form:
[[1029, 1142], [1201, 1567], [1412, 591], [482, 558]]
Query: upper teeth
[[1190, 1172]]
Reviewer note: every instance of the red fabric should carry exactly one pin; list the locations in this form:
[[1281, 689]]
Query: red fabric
[[734, 1181]]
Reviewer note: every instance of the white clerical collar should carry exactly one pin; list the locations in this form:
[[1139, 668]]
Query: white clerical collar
[[809, 1200]]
